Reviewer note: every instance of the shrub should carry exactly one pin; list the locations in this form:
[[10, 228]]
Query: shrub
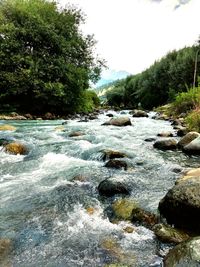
[[193, 120]]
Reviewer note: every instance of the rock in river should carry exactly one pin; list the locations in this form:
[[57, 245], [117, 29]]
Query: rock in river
[[193, 147], [166, 144], [186, 254], [189, 137], [139, 113], [16, 148], [181, 205], [116, 164], [120, 121], [111, 187], [112, 154]]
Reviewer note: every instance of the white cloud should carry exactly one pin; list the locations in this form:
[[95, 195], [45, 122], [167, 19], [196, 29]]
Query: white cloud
[[132, 34]]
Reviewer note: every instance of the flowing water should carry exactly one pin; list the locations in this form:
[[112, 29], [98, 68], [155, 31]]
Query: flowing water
[[55, 220]]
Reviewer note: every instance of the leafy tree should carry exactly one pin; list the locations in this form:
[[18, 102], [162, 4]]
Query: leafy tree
[[45, 61]]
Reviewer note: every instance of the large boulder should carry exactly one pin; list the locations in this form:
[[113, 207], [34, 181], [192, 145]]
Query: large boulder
[[16, 148], [168, 234], [166, 144], [189, 137], [116, 164], [123, 208], [111, 187], [193, 147], [139, 113], [181, 205], [120, 121], [186, 254]]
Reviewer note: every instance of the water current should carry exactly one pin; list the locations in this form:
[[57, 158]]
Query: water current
[[46, 213]]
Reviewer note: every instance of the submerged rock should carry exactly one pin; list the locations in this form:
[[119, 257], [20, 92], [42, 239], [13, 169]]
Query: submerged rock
[[144, 217], [186, 254], [111, 187], [120, 121], [76, 134], [189, 137], [168, 234], [7, 127], [123, 208], [181, 205], [16, 148], [112, 154], [165, 134], [116, 164], [167, 144], [5, 248], [150, 139]]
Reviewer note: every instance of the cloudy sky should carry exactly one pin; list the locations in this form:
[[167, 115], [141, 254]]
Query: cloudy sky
[[132, 34]]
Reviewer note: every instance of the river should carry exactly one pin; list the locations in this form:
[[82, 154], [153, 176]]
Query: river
[[47, 214]]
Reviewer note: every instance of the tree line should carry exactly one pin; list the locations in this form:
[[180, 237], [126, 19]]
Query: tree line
[[158, 84]]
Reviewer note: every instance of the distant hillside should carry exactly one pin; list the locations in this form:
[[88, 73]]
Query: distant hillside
[[109, 76]]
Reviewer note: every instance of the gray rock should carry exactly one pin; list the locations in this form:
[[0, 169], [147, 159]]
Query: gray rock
[[186, 254], [166, 144], [120, 121], [193, 147], [189, 137], [116, 164], [139, 113], [111, 187]]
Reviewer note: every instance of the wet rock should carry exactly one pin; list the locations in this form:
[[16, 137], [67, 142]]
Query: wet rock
[[111, 187], [165, 134], [7, 127], [176, 122], [92, 117], [166, 144], [190, 175], [144, 217], [5, 248], [29, 116], [49, 116], [110, 115], [186, 254], [123, 208], [129, 229], [189, 137], [116, 164], [150, 139], [193, 148], [139, 113], [4, 141], [80, 178], [168, 234], [181, 205], [181, 131], [60, 128], [76, 134], [16, 148], [120, 121], [112, 154]]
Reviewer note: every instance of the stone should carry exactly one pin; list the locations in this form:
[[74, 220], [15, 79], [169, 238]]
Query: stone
[[144, 217], [60, 128], [166, 144], [193, 148], [6, 127], [111, 187], [181, 204], [168, 234], [5, 248], [120, 121], [76, 134], [110, 115], [29, 116], [190, 175], [165, 134], [129, 229], [150, 139], [123, 208], [49, 116], [16, 148], [181, 131], [139, 113], [79, 178], [189, 137], [116, 164], [112, 154], [186, 254]]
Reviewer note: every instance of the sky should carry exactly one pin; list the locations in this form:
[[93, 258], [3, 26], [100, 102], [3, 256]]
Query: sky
[[132, 34]]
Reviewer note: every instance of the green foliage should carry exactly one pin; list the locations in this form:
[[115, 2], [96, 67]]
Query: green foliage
[[186, 101], [162, 81], [193, 120], [88, 101], [45, 61]]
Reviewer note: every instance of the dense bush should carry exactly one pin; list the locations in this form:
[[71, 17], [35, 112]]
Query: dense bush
[[193, 120]]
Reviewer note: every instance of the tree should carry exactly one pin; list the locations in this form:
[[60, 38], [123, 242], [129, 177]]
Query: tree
[[45, 61]]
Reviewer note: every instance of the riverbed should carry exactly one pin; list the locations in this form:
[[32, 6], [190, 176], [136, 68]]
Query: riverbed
[[55, 219]]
